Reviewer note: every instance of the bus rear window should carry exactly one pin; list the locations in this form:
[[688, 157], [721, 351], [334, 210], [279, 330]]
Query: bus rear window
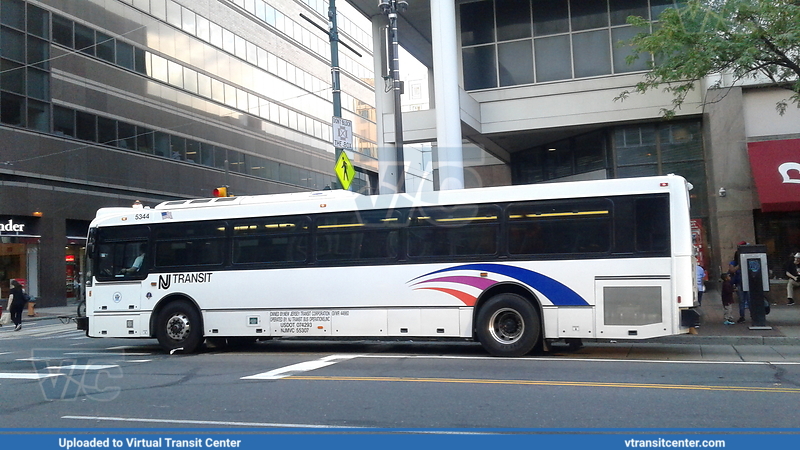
[[652, 224]]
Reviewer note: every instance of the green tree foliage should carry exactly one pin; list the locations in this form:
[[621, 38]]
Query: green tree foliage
[[739, 38]]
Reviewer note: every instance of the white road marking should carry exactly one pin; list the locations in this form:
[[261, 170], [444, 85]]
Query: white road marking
[[205, 422], [41, 358], [83, 367], [294, 369], [108, 354], [605, 360], [252, 424], [27, 376]]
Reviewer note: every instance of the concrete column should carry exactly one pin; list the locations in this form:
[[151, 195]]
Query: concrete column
[[52, 267], [446, 95], [728, 166]]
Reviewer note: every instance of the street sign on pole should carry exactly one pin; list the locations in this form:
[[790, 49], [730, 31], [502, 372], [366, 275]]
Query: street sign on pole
[[344, 170], [342, 133]]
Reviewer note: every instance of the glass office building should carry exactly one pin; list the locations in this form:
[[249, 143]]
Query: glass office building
[[105, 102], [537, 83]]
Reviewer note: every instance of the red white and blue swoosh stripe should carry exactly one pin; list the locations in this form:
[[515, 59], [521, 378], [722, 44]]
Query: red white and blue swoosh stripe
[[467, 287]]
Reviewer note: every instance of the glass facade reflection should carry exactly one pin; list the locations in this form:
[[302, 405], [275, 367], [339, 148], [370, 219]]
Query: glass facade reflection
[[269, 87], [103, 102]]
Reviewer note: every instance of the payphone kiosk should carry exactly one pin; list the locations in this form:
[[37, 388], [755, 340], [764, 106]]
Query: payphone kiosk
[[755, 280]]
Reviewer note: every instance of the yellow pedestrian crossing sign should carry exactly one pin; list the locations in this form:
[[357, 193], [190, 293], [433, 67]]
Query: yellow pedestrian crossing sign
[[344, 170]]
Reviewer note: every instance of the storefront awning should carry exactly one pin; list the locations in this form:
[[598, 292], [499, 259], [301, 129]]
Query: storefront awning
[[776, 170]]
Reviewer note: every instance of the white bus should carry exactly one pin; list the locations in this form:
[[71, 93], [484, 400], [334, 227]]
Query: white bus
[[514, 267]]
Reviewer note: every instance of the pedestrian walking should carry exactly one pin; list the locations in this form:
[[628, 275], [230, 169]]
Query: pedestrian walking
[[793, 273], [16, 304]]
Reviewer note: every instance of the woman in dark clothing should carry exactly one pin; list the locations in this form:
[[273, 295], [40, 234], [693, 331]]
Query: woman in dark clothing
[[16, 303]]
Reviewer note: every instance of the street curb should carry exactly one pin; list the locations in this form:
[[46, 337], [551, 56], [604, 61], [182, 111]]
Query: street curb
[[69, 313], [46, 317], [720, 340]]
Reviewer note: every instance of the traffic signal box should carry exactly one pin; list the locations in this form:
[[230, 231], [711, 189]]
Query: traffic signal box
[[221, 191]]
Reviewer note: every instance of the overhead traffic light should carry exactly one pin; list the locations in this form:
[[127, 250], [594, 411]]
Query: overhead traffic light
[[221, 191]]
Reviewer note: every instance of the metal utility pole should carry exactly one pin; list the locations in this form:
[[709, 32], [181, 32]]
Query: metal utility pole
[[342, 128], [390, 8], [333, 35]]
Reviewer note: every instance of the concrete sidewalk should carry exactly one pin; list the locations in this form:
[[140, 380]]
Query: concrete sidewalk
[[784, 320]]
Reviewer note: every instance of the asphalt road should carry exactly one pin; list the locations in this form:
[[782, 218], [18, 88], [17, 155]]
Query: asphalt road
[[51, 376]]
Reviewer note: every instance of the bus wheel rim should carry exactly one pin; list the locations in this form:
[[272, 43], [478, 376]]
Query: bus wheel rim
[[178, 327], [506, 326]]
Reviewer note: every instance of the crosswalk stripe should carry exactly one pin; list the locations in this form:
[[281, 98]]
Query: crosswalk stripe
[[40, 331], [84, 367]]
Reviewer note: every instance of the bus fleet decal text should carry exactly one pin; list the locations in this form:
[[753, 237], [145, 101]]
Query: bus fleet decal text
[[302, 321]]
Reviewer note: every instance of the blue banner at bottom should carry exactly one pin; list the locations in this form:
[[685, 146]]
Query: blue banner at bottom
[[392, 439]]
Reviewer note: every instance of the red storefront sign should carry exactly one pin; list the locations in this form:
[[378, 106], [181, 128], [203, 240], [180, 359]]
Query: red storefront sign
[[776, 170]]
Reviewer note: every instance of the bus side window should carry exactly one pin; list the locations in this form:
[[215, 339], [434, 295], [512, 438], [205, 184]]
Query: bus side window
[[270, 240], [359, 235], [190, 244], [453, 231], [560, 227]]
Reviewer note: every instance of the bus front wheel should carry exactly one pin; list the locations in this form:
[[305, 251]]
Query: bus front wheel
[[508, 325], [178, 327]]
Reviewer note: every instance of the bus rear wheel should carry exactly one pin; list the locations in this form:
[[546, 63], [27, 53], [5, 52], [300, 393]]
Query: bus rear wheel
[[508, 325], [178, 327]]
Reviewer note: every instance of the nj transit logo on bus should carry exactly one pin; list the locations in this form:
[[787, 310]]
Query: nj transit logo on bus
[[467, 287], [165, 281]]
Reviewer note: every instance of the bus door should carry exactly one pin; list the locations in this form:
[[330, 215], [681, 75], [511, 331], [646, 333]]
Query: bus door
[[122, 264]]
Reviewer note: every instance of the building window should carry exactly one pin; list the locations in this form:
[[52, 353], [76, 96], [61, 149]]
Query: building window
[[673, 147], [63, 121], [575, 156], [12, 109], [634, 151], [24, 66], [516, 42]]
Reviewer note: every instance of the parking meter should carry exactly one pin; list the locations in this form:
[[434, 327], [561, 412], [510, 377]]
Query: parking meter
[[755, 280]]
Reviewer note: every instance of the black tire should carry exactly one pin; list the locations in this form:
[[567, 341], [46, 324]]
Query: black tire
[[81, 312], [178, 326], [508, 325]]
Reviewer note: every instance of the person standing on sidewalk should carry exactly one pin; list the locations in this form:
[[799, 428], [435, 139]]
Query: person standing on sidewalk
[[726, 292], [792, 271], [744, 297], [701, 287], [16, 303]]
